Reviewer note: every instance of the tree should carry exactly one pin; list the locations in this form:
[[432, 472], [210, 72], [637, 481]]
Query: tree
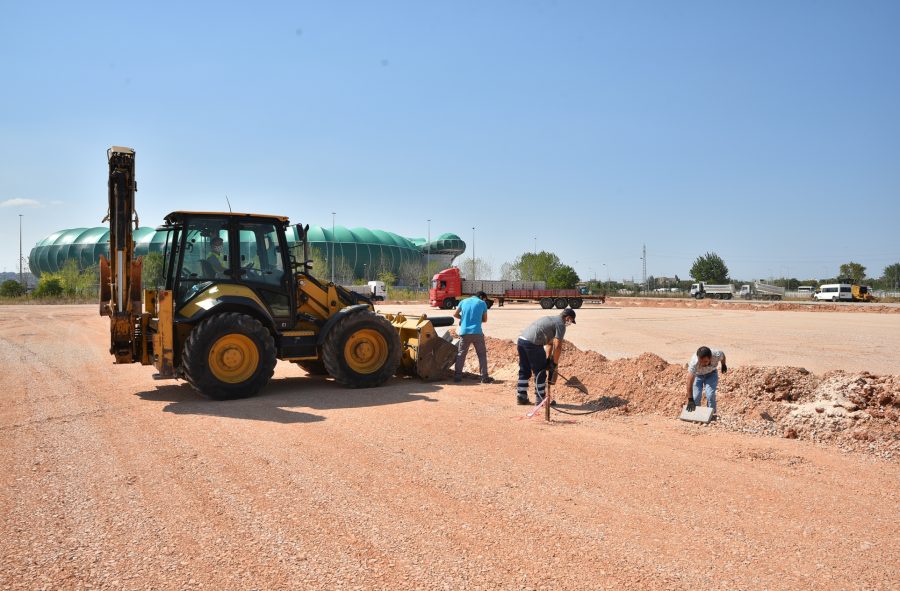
[[68, 277], [508, 272], [563, 277], [410, 273], [11, 289], [152, 270], [477, 269], [891, 276], [429, 270], [710, 268], [854, 271], [388, 278], [536, 266]]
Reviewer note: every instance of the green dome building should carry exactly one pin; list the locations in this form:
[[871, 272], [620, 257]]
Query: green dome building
[[364, 251]]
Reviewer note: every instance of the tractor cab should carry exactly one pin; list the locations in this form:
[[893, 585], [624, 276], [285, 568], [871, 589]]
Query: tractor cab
[[211, 258]]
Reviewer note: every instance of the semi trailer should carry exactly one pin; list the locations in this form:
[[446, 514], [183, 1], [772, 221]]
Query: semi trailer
[[448, 287]]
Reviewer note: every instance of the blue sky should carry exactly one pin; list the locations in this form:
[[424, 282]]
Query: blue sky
[[767, 132]]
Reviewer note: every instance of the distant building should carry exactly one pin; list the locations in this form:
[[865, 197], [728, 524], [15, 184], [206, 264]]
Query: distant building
[[365, 251]]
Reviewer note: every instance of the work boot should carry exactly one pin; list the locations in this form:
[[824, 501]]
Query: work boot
[[487, 380], [523, 401], [552, 402], [457, 379]]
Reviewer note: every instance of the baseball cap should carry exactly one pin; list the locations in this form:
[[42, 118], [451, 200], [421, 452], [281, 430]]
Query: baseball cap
[[481, 295], [570, 313]]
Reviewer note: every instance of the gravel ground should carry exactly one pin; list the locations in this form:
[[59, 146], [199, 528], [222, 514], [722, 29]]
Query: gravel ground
[[113, 481]]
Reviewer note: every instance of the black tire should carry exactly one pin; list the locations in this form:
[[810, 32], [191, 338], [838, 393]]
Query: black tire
[[313, 368], [449, 304], [362, 350], [229, 356], [575, 303], [560, 303], [546, 303]]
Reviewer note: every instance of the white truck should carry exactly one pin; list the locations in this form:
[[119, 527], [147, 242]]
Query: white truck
[[762, 291], [374, 290], [717, 292]]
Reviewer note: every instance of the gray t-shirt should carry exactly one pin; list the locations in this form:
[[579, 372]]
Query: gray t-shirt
[[701, 370], [543, 330]]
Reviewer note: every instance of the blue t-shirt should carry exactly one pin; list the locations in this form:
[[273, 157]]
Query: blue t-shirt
[[471, 310]]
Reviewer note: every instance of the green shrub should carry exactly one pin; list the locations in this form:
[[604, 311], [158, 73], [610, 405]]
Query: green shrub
[[11, 289], [49, 286]]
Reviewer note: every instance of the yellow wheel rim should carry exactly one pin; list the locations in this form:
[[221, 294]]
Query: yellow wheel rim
[[366, 351], [233, 358]]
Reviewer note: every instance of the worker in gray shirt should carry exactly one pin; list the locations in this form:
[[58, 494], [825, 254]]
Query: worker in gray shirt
[[539, 347]]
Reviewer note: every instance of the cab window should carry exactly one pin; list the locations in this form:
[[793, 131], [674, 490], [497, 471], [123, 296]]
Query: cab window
[[260, 254], [204, 255]]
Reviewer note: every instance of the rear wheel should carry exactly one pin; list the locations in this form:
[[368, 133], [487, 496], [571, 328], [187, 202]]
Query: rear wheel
[[575, 303], [229, 356], [362, 350], [560, 303], [546, 303]]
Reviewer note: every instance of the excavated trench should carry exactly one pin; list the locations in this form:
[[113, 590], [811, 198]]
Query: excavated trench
[[854, 411]]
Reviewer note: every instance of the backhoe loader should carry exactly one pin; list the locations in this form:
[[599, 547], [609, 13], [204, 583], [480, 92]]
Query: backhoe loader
[[238, 295]]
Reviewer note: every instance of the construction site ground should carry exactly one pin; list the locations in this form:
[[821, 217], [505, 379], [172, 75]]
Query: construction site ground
[[111, 480]]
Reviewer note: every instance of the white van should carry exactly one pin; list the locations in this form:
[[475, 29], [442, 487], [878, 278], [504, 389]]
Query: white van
[[834, 292]]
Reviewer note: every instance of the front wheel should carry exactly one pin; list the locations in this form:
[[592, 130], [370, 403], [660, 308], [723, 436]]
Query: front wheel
[[229, 356], [449, 304], [362, 350]]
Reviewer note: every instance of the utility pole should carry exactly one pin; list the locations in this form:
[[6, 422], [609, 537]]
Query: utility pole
[[428, 254], [21, 275], [333, 244], [644, 261]]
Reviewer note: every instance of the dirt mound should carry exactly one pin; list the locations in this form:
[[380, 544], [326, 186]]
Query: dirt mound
[[857, 411], [781, 306]]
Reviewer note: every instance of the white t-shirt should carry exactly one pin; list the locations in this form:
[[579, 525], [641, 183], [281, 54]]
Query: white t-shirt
[[701, 370]]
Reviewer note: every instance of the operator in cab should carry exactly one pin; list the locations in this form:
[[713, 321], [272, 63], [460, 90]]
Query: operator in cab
[[216, 257]]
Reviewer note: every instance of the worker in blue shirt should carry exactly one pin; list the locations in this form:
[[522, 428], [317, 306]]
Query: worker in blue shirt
[[472, 313]]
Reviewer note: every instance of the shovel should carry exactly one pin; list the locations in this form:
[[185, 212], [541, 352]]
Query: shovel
[[574, 382]]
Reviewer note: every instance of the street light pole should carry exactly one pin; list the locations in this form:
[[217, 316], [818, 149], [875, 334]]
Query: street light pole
[[474, 271], [607, 278], [333, 244], [21, 275], [428, 253]]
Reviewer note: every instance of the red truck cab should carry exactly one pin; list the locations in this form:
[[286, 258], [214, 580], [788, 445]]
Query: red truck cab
[[446, 288]]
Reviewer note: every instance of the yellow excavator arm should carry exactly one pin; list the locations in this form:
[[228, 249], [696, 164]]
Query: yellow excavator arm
[[120, 274]]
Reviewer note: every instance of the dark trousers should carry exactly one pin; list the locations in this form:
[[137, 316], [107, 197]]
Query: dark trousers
[[532, 360]]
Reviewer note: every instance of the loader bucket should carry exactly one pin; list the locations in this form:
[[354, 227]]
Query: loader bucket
[[425, 354]]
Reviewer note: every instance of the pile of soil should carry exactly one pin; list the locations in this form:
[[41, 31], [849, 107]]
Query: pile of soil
[[779, 306], [855, 411]]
